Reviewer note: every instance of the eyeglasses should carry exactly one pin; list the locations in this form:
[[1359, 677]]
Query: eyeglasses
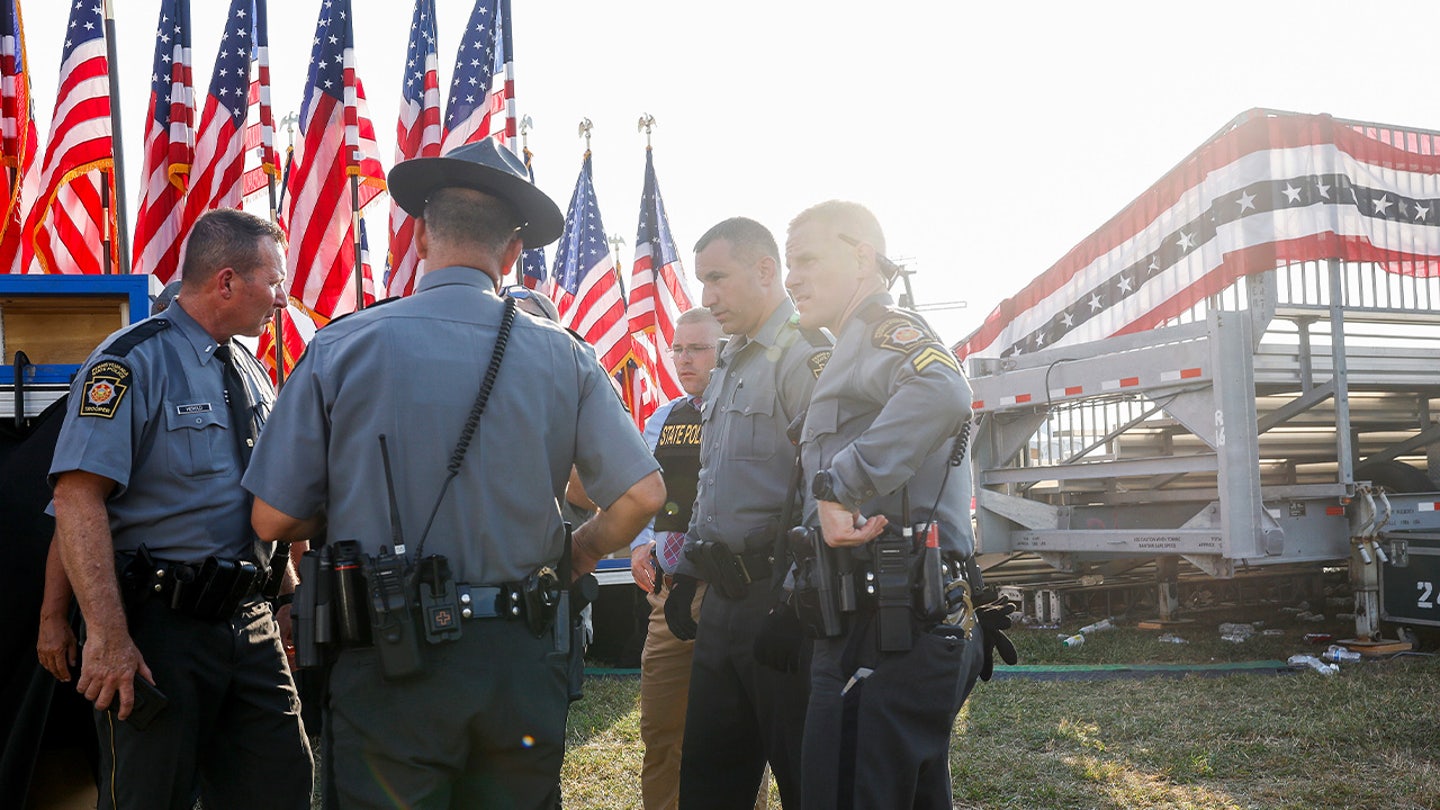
[[694, 350]]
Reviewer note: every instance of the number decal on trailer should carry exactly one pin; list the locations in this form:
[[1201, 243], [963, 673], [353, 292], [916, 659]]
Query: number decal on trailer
[[1427, 590]]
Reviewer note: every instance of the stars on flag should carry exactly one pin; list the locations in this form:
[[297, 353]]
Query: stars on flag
[[1256, 198]]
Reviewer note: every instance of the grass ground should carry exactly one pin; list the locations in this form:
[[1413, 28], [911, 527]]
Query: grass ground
[[1365, 738]]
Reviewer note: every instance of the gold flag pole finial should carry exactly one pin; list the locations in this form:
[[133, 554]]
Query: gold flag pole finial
[[585, 127], [646, 124], [525, 126]]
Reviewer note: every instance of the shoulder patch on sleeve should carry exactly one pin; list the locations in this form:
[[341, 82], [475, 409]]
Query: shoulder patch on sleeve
[[817, 362], [105, 387], [901, 333]]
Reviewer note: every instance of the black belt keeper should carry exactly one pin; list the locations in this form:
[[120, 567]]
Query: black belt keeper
[[891, 562]]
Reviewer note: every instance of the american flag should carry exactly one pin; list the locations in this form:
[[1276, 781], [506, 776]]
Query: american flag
[[417, 134], [587, 285], [299, 325], [532, 261], [220, 147], [1270, 189], [298, 328], [657, 297], [169, 147], [69, 229], [260, 129], [18, 140], [484, 84], [219, 177], [337, 141]]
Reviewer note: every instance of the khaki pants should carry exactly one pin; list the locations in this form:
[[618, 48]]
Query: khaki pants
[[664, 693]]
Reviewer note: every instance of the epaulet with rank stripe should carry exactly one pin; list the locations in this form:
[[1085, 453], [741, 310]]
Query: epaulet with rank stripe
[[122, 345]]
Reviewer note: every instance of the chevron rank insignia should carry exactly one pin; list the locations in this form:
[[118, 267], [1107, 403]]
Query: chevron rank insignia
[[817, 362], [104, 389], [934, 354]]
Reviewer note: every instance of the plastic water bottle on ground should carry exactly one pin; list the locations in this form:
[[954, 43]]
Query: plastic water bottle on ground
[[1074, 641], [1314, 663], [1336, 654], [1103, 624], [1171, 638]]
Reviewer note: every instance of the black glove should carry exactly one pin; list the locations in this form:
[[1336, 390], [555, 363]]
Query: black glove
[[778, 643], [677, 606], [993, 614]]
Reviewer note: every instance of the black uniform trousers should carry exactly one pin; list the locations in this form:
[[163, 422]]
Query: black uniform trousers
[[740, 714], [886, 741], [231, 731], [483, 725]]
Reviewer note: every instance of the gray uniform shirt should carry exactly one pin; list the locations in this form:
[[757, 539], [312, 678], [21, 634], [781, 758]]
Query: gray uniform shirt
[[155, 421], [411, 370], [882, 417], [746, 461]]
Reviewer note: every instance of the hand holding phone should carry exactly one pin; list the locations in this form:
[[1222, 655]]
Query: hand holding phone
[[149, 702]]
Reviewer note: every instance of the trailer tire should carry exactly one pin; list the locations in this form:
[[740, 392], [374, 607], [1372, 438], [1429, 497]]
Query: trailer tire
[[1395, 476]]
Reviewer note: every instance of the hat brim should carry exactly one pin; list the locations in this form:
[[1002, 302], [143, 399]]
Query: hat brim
[[412, 182]]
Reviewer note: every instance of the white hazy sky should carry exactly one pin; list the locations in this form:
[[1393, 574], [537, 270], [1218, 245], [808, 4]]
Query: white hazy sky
[[988, 138]]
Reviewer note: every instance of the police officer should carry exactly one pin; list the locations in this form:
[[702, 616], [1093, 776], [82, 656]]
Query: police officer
[[879, 433], [482, 721], [147, 469], [673, 433], [742, 714], [56, 646]]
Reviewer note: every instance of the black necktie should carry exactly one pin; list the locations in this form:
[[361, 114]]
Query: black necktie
[[237, 398]]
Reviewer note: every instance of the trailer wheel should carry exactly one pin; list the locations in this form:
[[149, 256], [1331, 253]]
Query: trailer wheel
[[1395, 476]]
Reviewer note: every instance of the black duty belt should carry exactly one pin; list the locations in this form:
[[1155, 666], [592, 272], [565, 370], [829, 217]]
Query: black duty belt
[[728, 573], [212, 590]]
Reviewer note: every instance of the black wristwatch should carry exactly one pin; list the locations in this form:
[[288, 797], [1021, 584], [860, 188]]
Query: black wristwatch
[[823, 487]]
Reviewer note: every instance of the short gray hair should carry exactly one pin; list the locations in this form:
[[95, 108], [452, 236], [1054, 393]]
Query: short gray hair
[[226, 237]]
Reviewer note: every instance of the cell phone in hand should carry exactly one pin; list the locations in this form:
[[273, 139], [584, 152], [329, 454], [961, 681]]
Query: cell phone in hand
[[149, 702]]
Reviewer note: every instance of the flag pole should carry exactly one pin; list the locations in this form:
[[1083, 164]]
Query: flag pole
[[117, 171], [355, 231], [278, 321], [525, 125]]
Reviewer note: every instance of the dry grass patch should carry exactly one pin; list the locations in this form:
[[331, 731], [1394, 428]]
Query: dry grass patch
[[1364, 738]]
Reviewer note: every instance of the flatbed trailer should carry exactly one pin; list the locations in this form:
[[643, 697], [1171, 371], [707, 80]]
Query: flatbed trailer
[[1288, 417]]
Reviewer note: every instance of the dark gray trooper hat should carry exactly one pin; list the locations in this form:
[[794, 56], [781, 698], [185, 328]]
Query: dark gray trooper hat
[[489, 168]]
